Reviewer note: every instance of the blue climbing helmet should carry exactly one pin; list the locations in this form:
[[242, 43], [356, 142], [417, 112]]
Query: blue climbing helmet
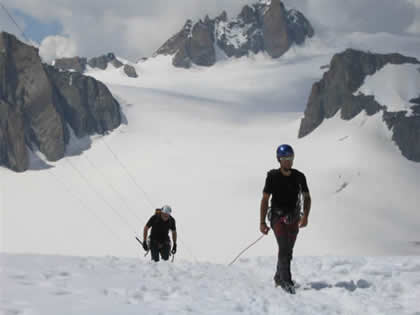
[[285, 150]]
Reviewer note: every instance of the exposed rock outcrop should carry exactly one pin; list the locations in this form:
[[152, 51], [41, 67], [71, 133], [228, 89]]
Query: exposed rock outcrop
[[86, 104], [79, 64], [74, 63], [347, 72], [200, 46], [264, 26], [276, 35], [405, 132], [37, 102], [101, 62], [130, 71]]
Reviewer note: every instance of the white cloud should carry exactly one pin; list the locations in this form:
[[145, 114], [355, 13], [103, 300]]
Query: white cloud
[[53, 47], [415, 27], [369, 16]]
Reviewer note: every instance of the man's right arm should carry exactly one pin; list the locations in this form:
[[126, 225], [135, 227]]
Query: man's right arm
[[145, 231], [263, 213]]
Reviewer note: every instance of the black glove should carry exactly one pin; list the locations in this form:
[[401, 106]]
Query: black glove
[[145, 247], [173, 251]]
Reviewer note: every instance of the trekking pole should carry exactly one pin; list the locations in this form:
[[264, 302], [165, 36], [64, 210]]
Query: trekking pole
[[141, 243], [243, 251], [173, 258]]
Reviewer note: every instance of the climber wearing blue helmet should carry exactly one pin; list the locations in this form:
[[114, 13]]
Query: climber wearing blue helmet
[[286, 186]]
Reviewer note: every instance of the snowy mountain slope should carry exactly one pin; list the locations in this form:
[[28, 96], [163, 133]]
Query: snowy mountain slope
[[394, 86], [85, 285], [202, 141]]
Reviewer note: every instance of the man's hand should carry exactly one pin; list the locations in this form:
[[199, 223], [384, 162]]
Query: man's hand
[[303, 221], [264, 228], [173, 251], [145, 247]]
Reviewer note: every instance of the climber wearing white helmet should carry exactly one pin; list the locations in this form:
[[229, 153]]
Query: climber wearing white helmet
[[159, 242]]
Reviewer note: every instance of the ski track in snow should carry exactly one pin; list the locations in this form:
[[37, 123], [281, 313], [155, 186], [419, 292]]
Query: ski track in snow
[[33, 284]]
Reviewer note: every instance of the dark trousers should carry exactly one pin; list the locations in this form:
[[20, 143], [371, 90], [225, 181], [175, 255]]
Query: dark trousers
[[286, 236], [161, 248]]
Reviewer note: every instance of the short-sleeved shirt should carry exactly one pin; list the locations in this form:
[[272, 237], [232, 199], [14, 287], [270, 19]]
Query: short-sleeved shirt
[[285, 190], [160, 228]]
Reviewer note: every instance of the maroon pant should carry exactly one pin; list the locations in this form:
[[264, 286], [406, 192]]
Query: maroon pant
[[286, 236]]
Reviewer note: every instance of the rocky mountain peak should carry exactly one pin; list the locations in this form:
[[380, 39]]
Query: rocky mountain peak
[[38, 103], [263, 26], [222, 17], [80, 64], [347, 72]]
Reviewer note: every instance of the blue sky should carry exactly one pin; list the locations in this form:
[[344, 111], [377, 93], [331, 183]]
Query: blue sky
[[35, 29]]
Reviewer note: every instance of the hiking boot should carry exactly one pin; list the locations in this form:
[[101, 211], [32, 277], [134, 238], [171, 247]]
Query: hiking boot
[[288, 287]]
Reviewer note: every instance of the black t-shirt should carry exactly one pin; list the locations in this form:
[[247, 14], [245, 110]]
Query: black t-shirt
[[160, 228], [285, 190]]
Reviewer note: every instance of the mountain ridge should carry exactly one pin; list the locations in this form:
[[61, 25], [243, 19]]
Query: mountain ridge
[[335, 91], [38, 103], [264, 26]]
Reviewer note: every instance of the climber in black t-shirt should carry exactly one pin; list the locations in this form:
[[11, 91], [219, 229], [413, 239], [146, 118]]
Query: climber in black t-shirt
[[159, 242], [286, 186]]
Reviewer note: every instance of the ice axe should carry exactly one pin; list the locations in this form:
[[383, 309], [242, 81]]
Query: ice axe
[[141, 243]]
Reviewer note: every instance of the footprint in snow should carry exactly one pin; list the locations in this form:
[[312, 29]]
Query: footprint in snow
[[18, 276], [10, 311], [342, 187], [348, 285], [61, 292]]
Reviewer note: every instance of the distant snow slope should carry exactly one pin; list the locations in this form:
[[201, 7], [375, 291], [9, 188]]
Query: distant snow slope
[[202, 141], [394, 86], [50, 285]]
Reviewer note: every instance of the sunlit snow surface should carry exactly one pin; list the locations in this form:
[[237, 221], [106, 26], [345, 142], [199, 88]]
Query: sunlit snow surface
[[394, 86], [50, 285], [202, 141]]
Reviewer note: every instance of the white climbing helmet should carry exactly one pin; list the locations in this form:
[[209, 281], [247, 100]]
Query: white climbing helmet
[[166, 209]]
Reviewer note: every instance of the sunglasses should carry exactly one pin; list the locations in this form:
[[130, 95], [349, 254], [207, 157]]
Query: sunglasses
[[286, 158]]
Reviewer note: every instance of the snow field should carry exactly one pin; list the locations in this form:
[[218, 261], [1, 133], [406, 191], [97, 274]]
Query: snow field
[[327, 285]]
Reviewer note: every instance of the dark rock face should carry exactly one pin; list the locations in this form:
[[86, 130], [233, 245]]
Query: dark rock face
[[298, 26], [248, 22], [176, 42], [101, 62], [406, 133], [86, 104], [130, 71], [74, 63], [334, 92], [116, 63], [200, 45], [30, 105], [13, 151], [79, 64], [34, 107], [182, 59], [416, 109], [415, 101], [193, 44], [264, 26], [276, 36]]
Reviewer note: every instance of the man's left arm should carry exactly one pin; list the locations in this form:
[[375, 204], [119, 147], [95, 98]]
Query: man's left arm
[[174, 237], [306, 209]]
